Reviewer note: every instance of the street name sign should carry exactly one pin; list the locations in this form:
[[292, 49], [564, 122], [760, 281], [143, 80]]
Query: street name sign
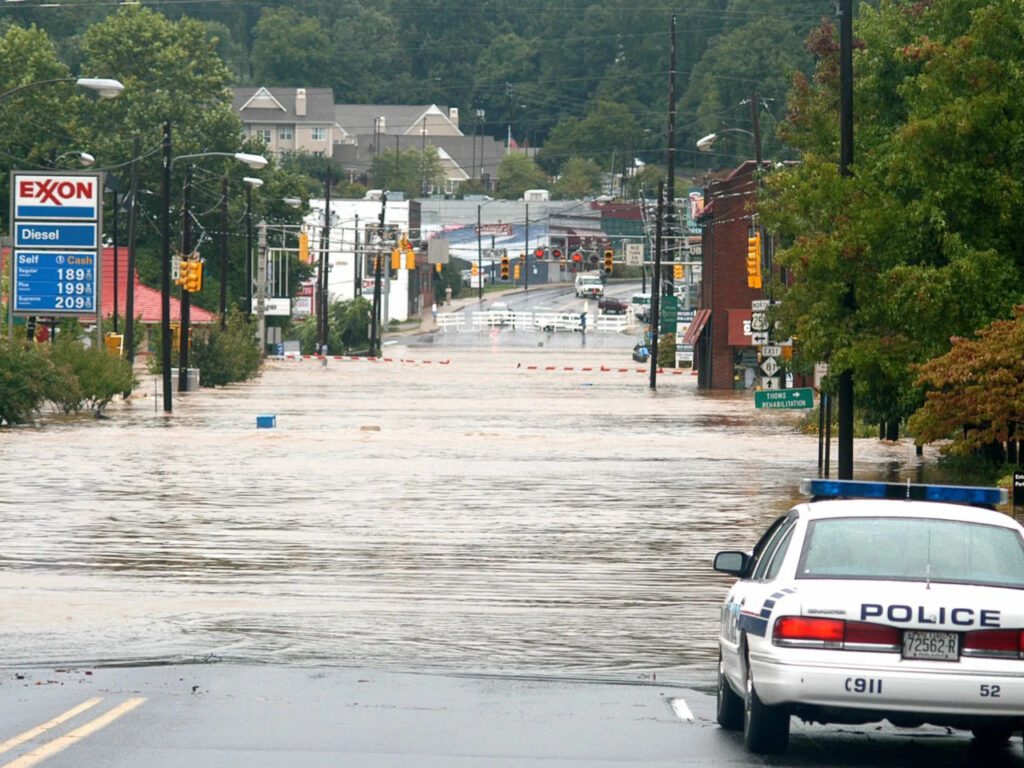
[[56, 219], [785, 398]]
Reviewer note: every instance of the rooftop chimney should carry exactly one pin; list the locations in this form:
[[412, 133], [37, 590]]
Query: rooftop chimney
[[300, 102], [453, 115]]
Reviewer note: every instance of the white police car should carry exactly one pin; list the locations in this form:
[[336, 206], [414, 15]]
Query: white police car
[[876, 601]]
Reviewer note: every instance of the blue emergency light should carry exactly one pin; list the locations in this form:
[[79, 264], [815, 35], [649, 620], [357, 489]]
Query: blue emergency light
[[862, 489]]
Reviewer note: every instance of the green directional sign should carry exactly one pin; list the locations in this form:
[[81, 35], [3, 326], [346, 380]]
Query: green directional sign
[[785, 398], [667, 309]]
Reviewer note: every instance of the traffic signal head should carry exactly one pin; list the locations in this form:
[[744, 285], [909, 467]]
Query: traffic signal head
[[194, 277], [678, 272], [754, 260], [437, 267], [609, 256], [396, 259], [556, 253], [504, 267], [303, 247], [538, 253], [577, 257], [182, 272], [593, 258]]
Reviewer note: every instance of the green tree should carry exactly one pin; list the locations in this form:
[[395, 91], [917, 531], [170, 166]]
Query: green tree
[[578, 179], [892, 262], [608, 130], [412, 171], [518, 173], [226, 355], [289, 48], [89, 376]]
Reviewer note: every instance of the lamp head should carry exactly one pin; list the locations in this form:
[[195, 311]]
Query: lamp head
[[253, 161], [106, 87], [252, 181], [294, 202], [704, 144]]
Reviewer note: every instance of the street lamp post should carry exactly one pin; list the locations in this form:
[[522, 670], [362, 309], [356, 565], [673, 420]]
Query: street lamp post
[[250, 183], [705, 143], [105, 87], [254, 161]]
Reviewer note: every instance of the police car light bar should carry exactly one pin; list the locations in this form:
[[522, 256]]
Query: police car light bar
[[861, 489]]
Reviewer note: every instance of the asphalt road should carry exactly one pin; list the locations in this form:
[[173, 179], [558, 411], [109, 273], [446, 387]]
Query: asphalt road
[[213, 716]]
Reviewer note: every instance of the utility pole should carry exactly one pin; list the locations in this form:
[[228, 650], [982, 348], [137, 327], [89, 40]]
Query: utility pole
[[670, 190], [261, 285], [357, 269], [129, 299], [325, 244], [224, 253], [526, 250], [186, 301], [845, 458], [165, 272], [378, 265], [656, 286]]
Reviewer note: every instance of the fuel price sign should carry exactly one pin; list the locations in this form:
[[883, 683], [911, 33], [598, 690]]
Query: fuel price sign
[[51, 282]]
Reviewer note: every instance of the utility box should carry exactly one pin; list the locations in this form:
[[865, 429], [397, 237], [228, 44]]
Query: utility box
[[191, 379], [266, 421]]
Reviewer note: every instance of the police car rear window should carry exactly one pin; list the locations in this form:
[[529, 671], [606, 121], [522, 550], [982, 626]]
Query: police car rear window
[[912, 549]]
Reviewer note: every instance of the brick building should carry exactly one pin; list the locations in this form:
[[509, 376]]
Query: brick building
[[724, 351]]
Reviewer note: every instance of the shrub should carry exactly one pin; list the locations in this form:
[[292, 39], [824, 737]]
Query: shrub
[[90, 377], [25, 374], [225, 355]]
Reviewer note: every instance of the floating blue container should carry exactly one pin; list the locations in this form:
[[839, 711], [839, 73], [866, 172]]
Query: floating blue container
[[266, 421]]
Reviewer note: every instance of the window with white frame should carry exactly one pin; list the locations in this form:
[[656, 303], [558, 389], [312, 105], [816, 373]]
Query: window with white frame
[[263, 134], [284, 133], [318, 134]]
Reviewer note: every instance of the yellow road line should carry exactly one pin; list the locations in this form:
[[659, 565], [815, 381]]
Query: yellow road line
[[63, 742], [22, 738]]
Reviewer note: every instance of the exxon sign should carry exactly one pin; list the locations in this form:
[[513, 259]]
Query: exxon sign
[[65, 197]]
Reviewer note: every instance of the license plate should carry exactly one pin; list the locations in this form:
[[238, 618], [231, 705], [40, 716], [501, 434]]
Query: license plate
[[944, 646]]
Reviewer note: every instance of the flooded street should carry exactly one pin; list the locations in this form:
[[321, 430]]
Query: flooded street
[[461, 509]]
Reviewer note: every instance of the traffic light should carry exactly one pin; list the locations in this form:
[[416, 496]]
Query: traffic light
[[194, 277], [504, 267], [182, 277], [539, 253], [678, 272], [303, 247], [473, 268], [437, 267], [593, 259], [754, 260], [556, 254], [410, 259], [577, 257], [515, 272], [609, 256], [396, 259]]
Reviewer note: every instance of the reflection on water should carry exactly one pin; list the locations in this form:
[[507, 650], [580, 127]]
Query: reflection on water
[[472, 515]]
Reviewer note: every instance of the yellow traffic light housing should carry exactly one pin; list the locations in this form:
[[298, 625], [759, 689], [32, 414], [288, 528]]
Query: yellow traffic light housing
[[609, 257], [504, 267], [182, 277], [754, 260], [678, 272], [193, 276], [396, 259], [303, 247]]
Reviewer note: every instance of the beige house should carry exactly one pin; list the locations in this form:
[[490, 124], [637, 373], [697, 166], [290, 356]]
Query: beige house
[[290, 119]]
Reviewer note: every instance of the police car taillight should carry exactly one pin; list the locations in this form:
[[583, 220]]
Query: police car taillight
[[807, 632], [998, 643]]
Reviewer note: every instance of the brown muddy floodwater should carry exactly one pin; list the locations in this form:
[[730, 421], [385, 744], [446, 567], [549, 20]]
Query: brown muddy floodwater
[[466, 512]]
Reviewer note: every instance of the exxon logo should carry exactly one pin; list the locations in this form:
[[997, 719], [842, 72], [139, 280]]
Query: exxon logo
[[55, 191]]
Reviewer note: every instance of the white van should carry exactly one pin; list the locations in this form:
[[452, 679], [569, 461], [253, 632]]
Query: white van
[[589, 284]]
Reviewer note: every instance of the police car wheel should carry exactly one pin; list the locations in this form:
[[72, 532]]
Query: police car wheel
[[730, 706], [765, 728]]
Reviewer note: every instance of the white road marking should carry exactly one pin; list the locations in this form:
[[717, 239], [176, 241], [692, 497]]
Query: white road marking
[[682, 711], [63, 742]]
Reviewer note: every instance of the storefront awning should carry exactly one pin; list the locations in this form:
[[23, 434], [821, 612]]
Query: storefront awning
[[696, 326]]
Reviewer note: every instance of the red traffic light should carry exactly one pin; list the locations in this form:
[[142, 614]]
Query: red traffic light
[[538, 253], [556, 254], [577, 257]]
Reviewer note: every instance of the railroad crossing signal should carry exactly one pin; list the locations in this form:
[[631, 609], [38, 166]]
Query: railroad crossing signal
[[539, 253]]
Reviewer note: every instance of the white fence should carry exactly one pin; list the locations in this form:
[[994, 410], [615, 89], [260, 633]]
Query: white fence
[[553, 322]]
